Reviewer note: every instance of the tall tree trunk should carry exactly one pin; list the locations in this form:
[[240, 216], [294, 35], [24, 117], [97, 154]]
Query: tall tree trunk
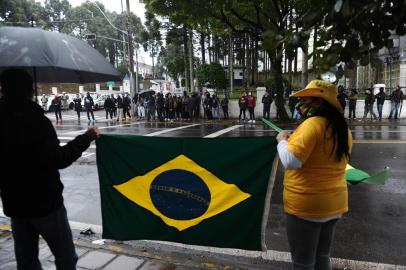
[[255, 62], [230, 63], [248, 60], [112, 54], [190, 39], [305, 59], [203, 49], [209, 48], [314, 49], [216, 49], [186, 58], [243, 62], [153, 68], [352, 77], [276, 77], [130, 48]]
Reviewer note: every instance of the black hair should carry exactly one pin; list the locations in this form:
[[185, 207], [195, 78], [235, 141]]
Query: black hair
[[16, 83], [339, 128]]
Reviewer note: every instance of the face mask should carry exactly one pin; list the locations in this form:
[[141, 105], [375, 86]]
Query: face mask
[[305, 109]]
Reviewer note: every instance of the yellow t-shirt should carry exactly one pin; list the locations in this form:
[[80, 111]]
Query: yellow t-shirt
[[318, 189]]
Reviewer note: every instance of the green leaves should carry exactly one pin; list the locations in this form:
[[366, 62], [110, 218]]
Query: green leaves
[[212, 74]]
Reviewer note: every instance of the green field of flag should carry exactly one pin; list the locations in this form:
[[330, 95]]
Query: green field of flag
[[209, 192]]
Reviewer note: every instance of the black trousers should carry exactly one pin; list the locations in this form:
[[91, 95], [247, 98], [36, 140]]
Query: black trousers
[[310, 242]]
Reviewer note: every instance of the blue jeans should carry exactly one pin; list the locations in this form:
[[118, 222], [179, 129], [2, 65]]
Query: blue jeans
[[394, 109], [55, 230], [215, 112], [380, 107], [310, 243]]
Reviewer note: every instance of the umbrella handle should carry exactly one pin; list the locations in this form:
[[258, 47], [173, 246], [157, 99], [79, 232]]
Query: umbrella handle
[[35, 84]]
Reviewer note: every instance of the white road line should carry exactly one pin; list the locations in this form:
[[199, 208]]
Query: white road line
[[83, 130], [223, 131], [87, 154], [66, 138], [269, 255], [91, 146], [169, 130]]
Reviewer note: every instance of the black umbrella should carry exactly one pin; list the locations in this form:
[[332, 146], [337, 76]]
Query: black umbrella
[[146, 91], [53, 57]]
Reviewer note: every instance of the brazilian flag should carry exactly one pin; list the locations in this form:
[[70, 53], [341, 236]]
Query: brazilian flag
[[209, 192]]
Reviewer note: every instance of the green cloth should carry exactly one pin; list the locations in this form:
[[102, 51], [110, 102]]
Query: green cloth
[[355, 176], [136, 170]]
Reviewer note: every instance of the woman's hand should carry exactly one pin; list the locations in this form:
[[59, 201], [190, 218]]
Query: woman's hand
[[283, 135]]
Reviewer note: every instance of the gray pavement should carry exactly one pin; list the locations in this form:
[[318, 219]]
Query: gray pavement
[[370, 236]]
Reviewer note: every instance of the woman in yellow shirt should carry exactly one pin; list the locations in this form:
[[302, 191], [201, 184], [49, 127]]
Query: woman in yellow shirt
[[315, 191]]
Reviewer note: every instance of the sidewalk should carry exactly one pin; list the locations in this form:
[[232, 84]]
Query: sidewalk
[[113, 255]]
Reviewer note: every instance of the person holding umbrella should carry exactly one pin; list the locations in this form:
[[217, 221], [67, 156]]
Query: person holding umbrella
[[32, 196], [315, 192]]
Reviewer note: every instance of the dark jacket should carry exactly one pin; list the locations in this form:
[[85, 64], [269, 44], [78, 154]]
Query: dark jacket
[[89, 103], [78, 104], [119, 102], [30, 184], [380, 98], [108, 104], [396, 96]]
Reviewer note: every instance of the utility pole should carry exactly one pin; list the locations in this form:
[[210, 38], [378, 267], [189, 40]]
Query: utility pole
[[137, 85], [130, 47], [124, 43]]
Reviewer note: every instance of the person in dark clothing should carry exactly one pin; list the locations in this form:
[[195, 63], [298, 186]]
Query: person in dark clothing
[[224, 106], [108, 107], [242, 104], [395, 100], [78, 105], [380, 100], [185, 106], [266, 101], [194, 106], [292, 101], [32, 196], [160, 106], [135, 109], [207, 105], [89, 106], [114, 108], [57, 104], [119, 101], [342, 97], [369, 104], [352, 103], [126, 106]]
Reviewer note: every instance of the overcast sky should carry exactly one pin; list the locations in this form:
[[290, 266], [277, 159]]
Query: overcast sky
[[115, 5]]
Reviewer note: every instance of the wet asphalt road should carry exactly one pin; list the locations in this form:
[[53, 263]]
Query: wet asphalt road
[[374, 230]]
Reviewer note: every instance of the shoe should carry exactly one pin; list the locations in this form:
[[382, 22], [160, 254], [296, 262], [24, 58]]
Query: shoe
[[249, 121], [253, 121]]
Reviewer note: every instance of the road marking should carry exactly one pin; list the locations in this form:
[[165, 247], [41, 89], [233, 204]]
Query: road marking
[[223, 131], [169, 130], [87, 154], [380, 141], [66, 138], [107, 127], [91, 146], [269, 255]]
